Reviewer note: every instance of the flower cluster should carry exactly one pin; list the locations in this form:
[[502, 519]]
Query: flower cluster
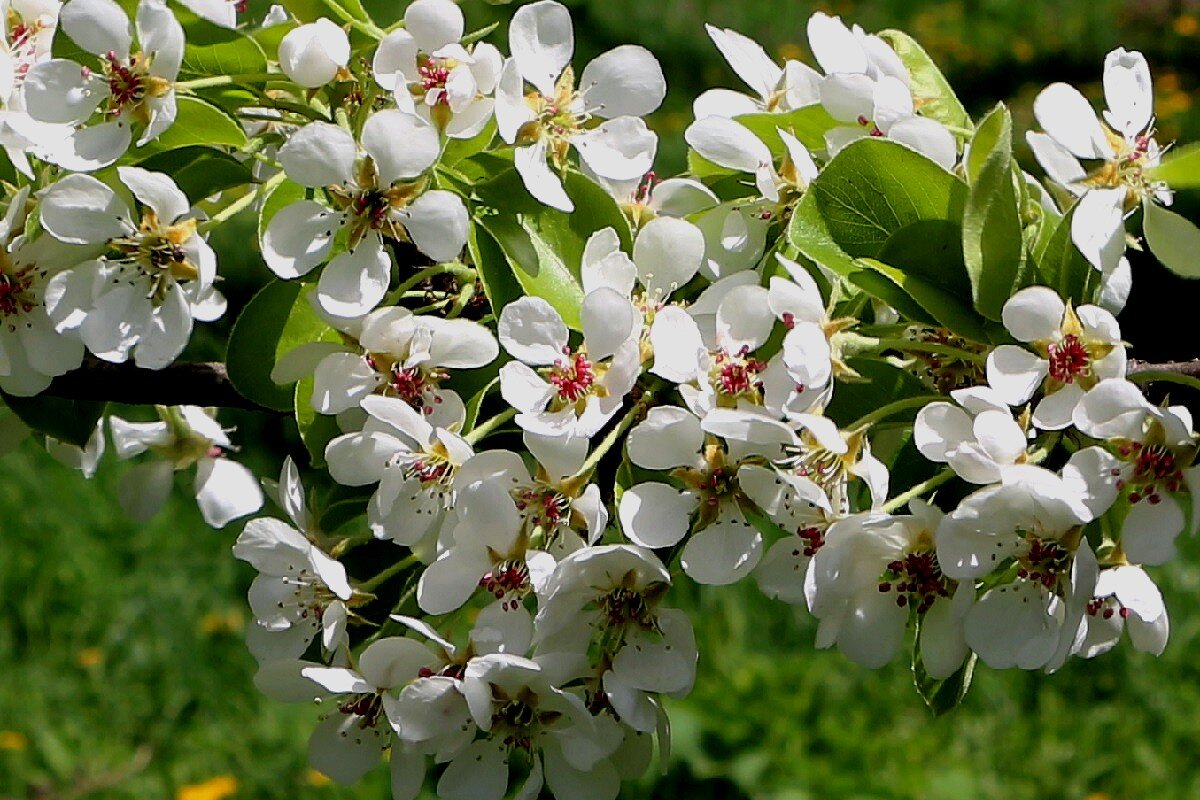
[[855, 355]]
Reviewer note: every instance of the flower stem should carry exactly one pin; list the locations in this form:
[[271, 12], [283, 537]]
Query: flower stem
[[856, 344], [925, 486], [225, 80], [883, 412], [372, 583], [243, 202], [488, 425], [1165, 376], [614, 436]]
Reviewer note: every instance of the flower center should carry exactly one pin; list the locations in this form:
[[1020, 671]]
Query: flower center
[[814, 540], [130, 84], [916, 579], [158, 252], [1106, 607], [1155, 468], [367, 706], [572, 377], [434, 73], [543, 508], [737, 375], [508, 577], [623, 606], [418, 386], [1044, 561], [16, 293], [1069, 358]]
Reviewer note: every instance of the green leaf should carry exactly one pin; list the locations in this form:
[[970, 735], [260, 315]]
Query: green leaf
[[258, 338], [544, 246], [213, 50], [1063, 268], [316, 430], [1174, 240], [931, 91], [993, 246], [700, 167], [944, 695], [197, 123], [458, 149], [1180, 168], [499, 283], [889, 220], [201, 171], [883, 383], [808, 124], [71, 421]]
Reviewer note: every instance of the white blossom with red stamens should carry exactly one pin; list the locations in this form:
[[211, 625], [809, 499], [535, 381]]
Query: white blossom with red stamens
[[874, 572], [1126, 599], [1069, 350], [433, 75], [1156, 471], [573, 391], [978, 437], [99, 112], [414, 464]]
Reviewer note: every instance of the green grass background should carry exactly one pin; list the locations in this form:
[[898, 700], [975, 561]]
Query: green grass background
[[123, 673]]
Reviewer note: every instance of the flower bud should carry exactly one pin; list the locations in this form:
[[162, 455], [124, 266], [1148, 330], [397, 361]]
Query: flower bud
[[312, 54]]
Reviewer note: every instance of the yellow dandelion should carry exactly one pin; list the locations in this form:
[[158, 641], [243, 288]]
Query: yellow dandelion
[[217, 788]]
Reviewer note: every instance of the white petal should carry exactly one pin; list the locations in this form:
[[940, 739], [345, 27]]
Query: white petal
[[748, 60], [434, 23], [225, 490], [834, 47], [677, 344], [81, 210], [480, 772], [744, 319], [722, 553], [97, 26], [1098, 227], [929, 138], [1015, 373], [145, 488], [354, 283], [1067, 116], [57, 91], [157, 191], [608, 320], [341, 748], [668, 253], [1128, 92], [542, 182], [1033, 314], [655, 514], [402, 145], [298, 238], [542, 42], [532, 331], [727, 144], [319, 154], [311, 54], [437, 222], [626, 80], [668, 437], [1149, 531], [619, 149]]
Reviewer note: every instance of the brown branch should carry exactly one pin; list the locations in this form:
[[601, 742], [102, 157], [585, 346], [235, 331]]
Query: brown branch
[[196, 383], [1189, 368]]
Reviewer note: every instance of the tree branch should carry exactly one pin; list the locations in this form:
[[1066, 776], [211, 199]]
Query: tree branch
[[196, 383], [1190, 369]]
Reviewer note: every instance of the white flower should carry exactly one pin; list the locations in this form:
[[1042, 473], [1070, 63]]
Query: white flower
[[1073, 349], [489, 547], [575, 391], [556, 507], [379, 195], [1156, 450], [866, 84], [1125, 599], [32, 352], [413, 462], [619, 86], [314, 53], [872, 572], [778, 89], [435, 76], [978, 438], [300, 591], [350, 740], [395, 353], [134, 89], [156, 279], [1032, 521], [723, 547], [611, 595], [645, 197], [729, 144], [186, 436], [516, 705]]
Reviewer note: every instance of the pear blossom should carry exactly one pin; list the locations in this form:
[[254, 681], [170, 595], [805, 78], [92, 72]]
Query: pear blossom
[[729, 144], [32, 352], [612, 594], [133, 92], [394, 353], [646, 197], [433, 75], [619, 86], [556, 505], [413, 462], [380, 194], [1107, 161], [184, 437], [300, 591], [1155, 469], [1072, 350], [1126, 599], [573, 391], [313, 54], [872, 572], [1033, 521], [978, 437], [517, 706], [866, 84], [778, 89]]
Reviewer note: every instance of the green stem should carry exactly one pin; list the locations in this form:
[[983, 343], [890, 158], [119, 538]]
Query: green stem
[[925, 486], [369, 28], [395, 569], [243, 202], [226, 80], [1165, 376], [488, 425], [614, 436], [883, 412], [855, 344], [429, 272]]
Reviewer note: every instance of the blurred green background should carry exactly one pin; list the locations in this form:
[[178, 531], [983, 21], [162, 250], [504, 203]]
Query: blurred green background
[[121, 658]]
